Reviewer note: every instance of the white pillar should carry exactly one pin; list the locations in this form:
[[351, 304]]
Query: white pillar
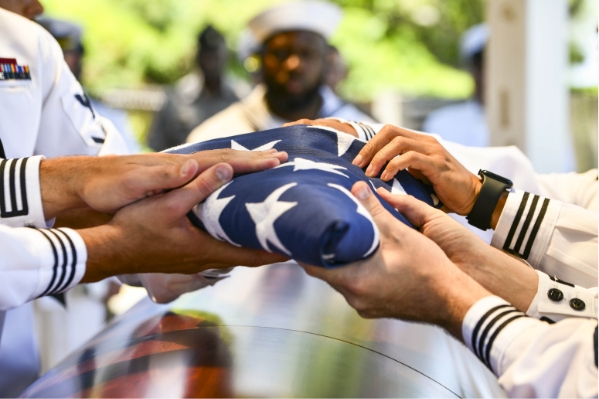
[[526, 80]]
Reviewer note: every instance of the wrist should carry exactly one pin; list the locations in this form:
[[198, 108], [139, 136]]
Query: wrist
[[58, 178], [499, 209], [104, 255], [459, 296]]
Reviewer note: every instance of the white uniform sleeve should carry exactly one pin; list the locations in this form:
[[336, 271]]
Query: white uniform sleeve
[[532, 358], [38, 262], [20, 197], [574, 188], [69, 125], [556, 300], [557, 238]]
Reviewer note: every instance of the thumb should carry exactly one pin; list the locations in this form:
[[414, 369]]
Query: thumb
[[164, 177], [383, 219], [180, 201], [416, 211]]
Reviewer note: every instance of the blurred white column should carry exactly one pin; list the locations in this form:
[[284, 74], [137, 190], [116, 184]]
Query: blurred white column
[[526, 83]]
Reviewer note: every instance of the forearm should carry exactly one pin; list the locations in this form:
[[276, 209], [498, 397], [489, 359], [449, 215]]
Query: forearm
[[82, 218], [58, 185], [503, 275]]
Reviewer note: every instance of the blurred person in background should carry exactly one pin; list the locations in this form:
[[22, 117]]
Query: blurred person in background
[[337, 69], [69, 36], [295, 60], [465, 123], [27, 8], [197, 96]]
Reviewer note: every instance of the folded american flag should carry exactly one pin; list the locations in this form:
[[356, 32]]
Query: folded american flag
[[303, 208]]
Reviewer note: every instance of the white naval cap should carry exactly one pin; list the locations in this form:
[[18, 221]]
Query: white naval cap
[[315, 16], [473, 41]]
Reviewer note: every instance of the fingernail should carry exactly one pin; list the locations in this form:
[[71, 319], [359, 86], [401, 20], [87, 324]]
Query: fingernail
[[223, 173], [369, 169], [363, 193], [358, 160], [187, 167], [384, 176], [272, 151]]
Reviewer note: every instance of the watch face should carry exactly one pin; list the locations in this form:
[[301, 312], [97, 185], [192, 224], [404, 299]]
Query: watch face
[[496, 177]]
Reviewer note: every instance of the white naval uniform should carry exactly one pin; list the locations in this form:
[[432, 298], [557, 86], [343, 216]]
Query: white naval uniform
[[251, 114], [530, 357], [47, 115]]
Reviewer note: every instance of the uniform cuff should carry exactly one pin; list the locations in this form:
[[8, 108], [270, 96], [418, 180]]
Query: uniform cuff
[[63, 256], [366, 131], [526, 225], [20, 195], [488, 328], [556, 300]]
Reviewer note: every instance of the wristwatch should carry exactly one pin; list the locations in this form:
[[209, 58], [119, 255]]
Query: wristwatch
[[482, 211]]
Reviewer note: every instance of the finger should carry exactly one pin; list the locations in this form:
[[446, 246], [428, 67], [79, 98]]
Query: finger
[[397, 146], [299, 122], [180, 201], [381, 139], [241, 161], [334, 277], [414, 161], [383, 219], [144, 182], [416, 211]]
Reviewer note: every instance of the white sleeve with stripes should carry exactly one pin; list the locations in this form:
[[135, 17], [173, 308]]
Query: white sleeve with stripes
[[20, 196], [532, 358], [38, 262], [557, 238]]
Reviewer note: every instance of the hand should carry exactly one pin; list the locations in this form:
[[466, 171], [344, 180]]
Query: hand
[[155, 236], [425, 159], [409, 277], [108, 183], [501, 274], [332, 123]]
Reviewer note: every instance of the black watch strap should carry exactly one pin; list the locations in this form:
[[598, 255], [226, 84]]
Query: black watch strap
[[490, 192]]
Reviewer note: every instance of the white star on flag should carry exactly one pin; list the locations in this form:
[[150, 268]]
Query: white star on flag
[[362, 211], [236, 146], [397, 188], [265, 214], [344, 140], [209, 213], [306, 164]]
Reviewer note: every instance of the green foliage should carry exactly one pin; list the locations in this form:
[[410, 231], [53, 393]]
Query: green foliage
[[407, 45]]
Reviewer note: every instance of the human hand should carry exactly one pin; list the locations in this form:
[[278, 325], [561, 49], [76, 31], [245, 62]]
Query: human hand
[[326, 122], [108, 183], [501, 274], [409, 277], [155, 236], [425, 159]]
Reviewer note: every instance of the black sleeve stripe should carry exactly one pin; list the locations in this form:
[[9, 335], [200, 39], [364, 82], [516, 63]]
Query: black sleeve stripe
[[483, 337], [11, 185], [515, 223], [526, 225], [2, 153], [73, 263], [64, 262], [55, 269], [535, 229], [481, 322], [486, 359], [10, 188], [595, 337], [24, 203]]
